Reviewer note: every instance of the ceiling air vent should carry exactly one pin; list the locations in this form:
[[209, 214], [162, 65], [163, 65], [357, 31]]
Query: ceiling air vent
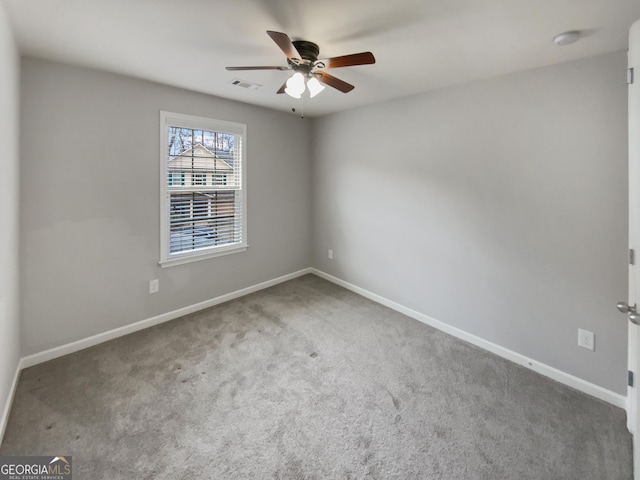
[[245, 84]]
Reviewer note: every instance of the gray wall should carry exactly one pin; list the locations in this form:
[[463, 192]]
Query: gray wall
[[498, 207], [9, 326], [90, 202]]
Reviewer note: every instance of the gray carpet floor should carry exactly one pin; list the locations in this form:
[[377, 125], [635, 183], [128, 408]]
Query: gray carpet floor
[[306, 380]]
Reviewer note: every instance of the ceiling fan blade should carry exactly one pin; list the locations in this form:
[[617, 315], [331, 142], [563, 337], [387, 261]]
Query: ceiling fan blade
[[364, 58], [281, 90], [334, 82], [285, 44], [256, 68]]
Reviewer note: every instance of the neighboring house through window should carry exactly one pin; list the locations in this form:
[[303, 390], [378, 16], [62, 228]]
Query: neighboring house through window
[[203, 193]]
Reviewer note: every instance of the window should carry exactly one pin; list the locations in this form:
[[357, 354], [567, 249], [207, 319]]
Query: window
[[199, 178], [199, 218], [220, 179], [175, 178]]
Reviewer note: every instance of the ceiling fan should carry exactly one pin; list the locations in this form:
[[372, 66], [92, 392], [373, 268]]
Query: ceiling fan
[[302, 58]]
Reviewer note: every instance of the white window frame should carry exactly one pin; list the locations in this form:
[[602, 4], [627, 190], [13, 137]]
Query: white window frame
[[170, 119]]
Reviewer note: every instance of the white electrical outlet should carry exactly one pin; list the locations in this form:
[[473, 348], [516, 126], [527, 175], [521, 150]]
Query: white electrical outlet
[[154, 286], [330, 254], [586, 339]]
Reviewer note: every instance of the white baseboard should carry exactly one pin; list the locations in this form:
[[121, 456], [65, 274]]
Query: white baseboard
[[56, 352], [553, 373], [7, 407]]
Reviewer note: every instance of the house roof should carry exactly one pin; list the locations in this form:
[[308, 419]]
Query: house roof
[[199, 157]]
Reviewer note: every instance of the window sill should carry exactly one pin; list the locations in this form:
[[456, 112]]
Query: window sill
[[197, 256]]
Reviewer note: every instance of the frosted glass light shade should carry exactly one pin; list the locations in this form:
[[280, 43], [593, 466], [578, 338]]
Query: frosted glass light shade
[[314, 86], [295, 85]]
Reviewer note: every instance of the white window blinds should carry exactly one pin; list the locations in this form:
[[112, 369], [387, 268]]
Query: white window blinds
[[202, 192]]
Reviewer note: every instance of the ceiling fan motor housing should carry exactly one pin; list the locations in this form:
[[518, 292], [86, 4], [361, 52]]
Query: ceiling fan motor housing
[[308, 50]]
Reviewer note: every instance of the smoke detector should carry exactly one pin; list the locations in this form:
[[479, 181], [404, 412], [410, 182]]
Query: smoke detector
[[566, 38]]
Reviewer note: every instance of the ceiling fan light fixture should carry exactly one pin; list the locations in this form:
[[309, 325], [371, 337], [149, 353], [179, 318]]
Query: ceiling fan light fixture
[[295, 85], [314, 86], [302, 58]]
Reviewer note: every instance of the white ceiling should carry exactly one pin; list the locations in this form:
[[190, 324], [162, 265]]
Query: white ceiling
[[419, 45]]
